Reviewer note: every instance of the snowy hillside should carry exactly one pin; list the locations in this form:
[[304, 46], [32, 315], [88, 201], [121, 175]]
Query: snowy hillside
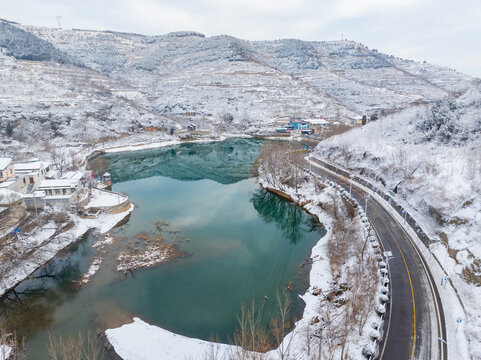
[[23, 45], [433, 154], [317, 74], [130, 82]]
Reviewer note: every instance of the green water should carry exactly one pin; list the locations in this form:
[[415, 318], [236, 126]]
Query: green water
[[243, 243]]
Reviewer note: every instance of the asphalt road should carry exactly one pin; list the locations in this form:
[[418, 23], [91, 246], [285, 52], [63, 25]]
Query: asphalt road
[[414, 317]]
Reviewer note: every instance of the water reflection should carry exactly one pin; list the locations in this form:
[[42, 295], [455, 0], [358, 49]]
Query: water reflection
[[239, 252], [225, 162], [292, 220], [30, 307]]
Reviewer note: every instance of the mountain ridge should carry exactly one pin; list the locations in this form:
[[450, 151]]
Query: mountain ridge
[[132, 81]]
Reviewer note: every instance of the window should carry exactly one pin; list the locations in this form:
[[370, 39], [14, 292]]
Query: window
[[1, 174], [57, 191], [31, 180], [64, 191], [24, 182]]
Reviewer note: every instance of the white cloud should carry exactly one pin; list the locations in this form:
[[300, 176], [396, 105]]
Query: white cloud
[[160, 18], [354, 8]]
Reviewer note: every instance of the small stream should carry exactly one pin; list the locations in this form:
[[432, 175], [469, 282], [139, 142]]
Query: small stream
[[243, 244]]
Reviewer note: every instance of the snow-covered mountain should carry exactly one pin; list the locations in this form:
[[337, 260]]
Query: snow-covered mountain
[[83, 85]]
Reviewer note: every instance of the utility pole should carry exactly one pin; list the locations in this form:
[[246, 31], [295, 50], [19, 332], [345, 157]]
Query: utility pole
[[366, 197], [350, 185], [320, 343], [35, 204], [59, 22]]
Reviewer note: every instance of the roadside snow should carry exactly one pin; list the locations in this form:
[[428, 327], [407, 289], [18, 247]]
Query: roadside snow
[[458, 344], [432, 154]]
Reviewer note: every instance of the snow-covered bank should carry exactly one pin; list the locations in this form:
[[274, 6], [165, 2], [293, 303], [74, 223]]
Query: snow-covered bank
[[454, 313], [5, 352], [43, 254], [139, 340]]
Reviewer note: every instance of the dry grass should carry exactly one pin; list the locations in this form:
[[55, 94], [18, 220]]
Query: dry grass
[[17, 345], [472, 273], [79, 347]]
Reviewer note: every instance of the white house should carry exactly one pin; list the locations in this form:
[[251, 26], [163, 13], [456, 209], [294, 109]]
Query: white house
[[6, 169], [35, 200], [9, 184], [12, 208], [31, 173], [64, 190], [9, 197]]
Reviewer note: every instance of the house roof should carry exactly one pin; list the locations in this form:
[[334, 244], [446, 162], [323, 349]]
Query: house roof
[[31, 166], [58, 183], [318, 121], [8, 183], [4, 162], [36, 194], [74, 175], [106, 174], [8, 196]]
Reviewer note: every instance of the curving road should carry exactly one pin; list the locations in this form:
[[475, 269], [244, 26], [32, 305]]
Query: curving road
[[414, 318]]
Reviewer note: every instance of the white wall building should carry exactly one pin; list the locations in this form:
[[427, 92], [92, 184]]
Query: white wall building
[[30, 174], [60, 190], [6, 169]]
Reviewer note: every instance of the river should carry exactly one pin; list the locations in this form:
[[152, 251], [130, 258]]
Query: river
[[242, 244]]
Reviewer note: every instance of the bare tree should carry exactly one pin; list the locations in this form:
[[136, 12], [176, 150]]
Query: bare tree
[[60, 159], [281, 325], [12, 346], [26, 245], [99, 166], [251, 336], [279, 169]]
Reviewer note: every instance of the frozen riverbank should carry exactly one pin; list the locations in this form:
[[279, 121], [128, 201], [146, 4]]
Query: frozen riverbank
[[46, 243], [139, 340]]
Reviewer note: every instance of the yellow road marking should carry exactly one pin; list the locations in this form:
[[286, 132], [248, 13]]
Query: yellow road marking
[[409, 275], [410, 283], [354, 186], [440, 328], [392, 298], [407, 269]]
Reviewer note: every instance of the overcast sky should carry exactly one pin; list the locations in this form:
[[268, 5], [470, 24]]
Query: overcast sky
[[443, 32]]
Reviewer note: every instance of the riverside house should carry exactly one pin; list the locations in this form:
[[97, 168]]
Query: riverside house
[[7, 169], [60, 190]]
